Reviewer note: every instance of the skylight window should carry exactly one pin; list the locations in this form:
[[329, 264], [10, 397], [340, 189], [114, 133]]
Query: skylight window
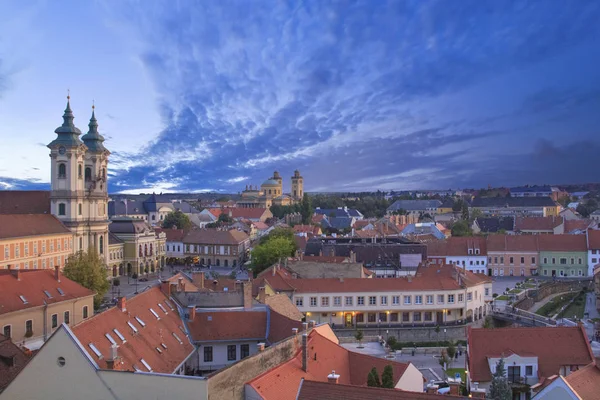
[[60, 291], [135, 330], [110, 338], [169, 304], [162, 308], [23, 299], [164, 346], [177, 337], [159, 350], [95, 350], [154, 313], [146, 365], [138, 319], [119, 335], [47, 293]]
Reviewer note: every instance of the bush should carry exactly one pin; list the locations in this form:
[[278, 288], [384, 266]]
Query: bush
[[391, 342], [495, 295]]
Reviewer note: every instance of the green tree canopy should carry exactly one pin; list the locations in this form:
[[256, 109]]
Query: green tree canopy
[[373, 378], [461, 228], [387, 377], [465, 211], [87, 269], [499, 388], [224, 218], [306, 209], [177, 219], [275, 246]]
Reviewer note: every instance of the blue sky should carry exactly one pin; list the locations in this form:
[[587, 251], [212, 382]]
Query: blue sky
[[213, 95]]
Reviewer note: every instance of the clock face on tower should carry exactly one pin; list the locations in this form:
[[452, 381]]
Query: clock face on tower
[[61, 150]]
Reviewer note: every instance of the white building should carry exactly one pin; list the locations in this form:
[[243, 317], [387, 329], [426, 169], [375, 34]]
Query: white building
[[593, 246]]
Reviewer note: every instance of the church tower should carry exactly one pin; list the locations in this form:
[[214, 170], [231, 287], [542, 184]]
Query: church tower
[[297, 186], [279, 179], [79, 194]]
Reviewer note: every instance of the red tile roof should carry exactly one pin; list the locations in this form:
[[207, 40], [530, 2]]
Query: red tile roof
[[437, 248], [367, 234], [563, 243], [593, 237], [459, 246], [326, 259], [261, 226], [144, 343], [217, 325], [281, 304], [317, 218], [239, 212], [576, 225], [324, 355], [12, 361], [537, 223], [31, 285], [307, 229], [585, 382], [27, 225], [554, 347], [173, 235], [516, 243], [24, 202], [361, 223], [300, 242], [215, 236], [311, 390]]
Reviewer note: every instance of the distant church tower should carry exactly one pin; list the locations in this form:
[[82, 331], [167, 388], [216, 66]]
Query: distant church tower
[[79, 195], [297, 186], [279, 179]]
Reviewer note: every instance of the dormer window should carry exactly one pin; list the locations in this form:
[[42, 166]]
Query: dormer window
[[62, 171], [476, 251], [470, 251]]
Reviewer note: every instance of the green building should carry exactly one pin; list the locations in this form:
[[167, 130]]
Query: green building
[[563, 255]]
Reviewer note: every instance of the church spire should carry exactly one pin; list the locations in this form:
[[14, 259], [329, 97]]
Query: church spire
[[93, 139], [68, 133]]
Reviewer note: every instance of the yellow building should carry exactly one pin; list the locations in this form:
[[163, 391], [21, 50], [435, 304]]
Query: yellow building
[[271, 192]]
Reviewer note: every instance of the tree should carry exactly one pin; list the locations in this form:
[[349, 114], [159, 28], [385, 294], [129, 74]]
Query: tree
[[266, 254], [443, 360], [451, 351], [358, 336], [387, 377], [306, 209], [476, 213], [87, 269], [224, 218], [177, 219], [373, 378], [465, 211], [391, 342], [499, 388], [458, 205], [461, 228]]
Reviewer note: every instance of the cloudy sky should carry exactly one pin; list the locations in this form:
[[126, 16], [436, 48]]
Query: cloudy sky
[[213, 95]]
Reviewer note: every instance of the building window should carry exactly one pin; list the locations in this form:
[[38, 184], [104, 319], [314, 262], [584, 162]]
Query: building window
[[231, 352], [511, 260], [383, 300], [62, 171], [88, 174], [360, 301], [62, 209], [394, 317], [372, 317], [469, 296], [360, 318], [67, 318], [563, 261], [417, 316], [487, 291], [101, 246], [382, 317], [313, 301], [407, 300], [533, 260], [29, 328], [522, 260], [405, 317], [299, 301], [7, 331], [208, 353], [450, 298], [502, 260], [395, 300], [461, 297], [428, 316], [495, 260], [54, 320], [324, 301], [529, 370], [553, 260], [337, 301], [85, 312], [372, 300], [418, 299], [80, 171], [429, 299], [349, 300], [244, 350], [440, 299], [579, 261]]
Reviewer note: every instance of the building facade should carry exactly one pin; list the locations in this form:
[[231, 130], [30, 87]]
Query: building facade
[[217, 247], [513, 255], [79, 187], [593, 250], [271, 192], [563, 255]]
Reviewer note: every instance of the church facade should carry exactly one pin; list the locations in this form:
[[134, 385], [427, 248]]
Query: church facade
[[271, 192]]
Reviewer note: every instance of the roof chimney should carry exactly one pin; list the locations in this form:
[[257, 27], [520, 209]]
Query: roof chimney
[[122, 304], [192, 314], [260, 347], [180, 284], [304, 352], [262, 295], [200, 279], [15, 271], [294, 331], [311, 324], [57, 273], [112, 358], [247, 293], [333, 377]]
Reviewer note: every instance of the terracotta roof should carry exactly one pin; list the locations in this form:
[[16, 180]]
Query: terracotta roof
[[215, 236], [24, 202], [325, 259], [173, 235], [300, 242], [12, 361], [311, 390], [361, 223], [459, 246], [317, 218], [282, 304], [437, 248], [593, 237], [261, 226], [576, 225], [307, 229], [517, 243], [240, 324], [585, 382], [367, 234], [433, 277], [537, 223], [154, 332], [554, 347], [282, 382], [31, 285], [239, 212], [27, 225], [563, 243]]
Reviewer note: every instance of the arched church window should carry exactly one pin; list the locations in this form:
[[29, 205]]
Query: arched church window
[[101, 245], [141, 253], [104, 173], [88, 174], [79, 209], [62, 170], [145, 249], [80, 171], [150, 248], [62, 209]]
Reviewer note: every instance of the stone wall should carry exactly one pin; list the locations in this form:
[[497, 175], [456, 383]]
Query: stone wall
[[229, 382], [405, 334], [549, 289]]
